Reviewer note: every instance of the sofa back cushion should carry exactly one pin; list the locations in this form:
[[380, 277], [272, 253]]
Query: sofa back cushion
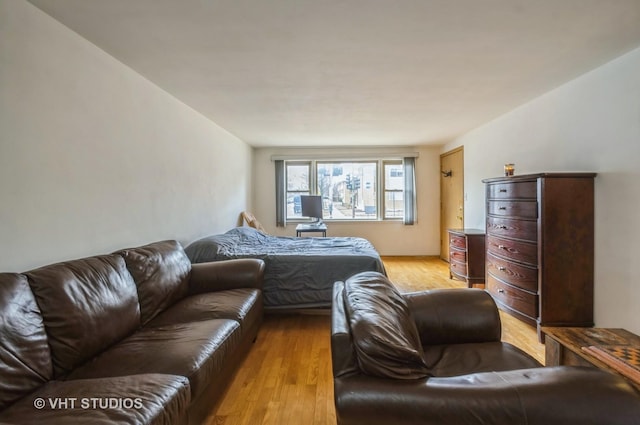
[[384, 333], [87, 305], [161, 271], [25, 359]]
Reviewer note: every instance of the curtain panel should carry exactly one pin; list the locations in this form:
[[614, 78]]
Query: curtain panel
[[409, 190], [281, 214]]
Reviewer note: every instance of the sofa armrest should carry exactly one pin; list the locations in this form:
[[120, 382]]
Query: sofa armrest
[[227, 274], [343, 356], [540, 396], [454, 316]]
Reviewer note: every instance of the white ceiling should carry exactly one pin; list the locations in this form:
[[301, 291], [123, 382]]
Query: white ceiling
[[355, 72]]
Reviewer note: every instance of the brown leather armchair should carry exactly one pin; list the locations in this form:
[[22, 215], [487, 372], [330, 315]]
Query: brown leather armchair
[[461, 373]]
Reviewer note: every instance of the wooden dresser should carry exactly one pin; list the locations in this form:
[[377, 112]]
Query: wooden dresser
[[466, 255], [539, 259]]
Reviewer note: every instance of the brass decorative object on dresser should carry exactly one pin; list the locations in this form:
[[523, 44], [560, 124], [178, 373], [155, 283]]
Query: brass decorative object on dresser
[[539, 259], [466, 255]]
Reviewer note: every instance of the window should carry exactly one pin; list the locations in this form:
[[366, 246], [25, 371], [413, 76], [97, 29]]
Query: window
[[349, 189], [298, 183], [393, 189]]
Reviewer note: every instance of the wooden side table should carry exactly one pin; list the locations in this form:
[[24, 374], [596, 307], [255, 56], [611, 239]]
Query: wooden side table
[[563, 346]]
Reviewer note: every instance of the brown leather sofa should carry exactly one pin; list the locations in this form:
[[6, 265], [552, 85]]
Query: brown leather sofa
[[139, 336], [435, 358]]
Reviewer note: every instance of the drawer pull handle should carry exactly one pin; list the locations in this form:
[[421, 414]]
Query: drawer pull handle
[[502, 269], [503, 190], [501, 291], [502, 227], [502, 208], [502, 247]]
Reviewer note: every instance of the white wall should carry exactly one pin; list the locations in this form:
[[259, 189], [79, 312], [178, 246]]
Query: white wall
[[93, 157], [590, 124], [389, 237]]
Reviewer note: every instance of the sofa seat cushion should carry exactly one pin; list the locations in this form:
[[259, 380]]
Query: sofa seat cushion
[[197, 350], [87, 305], [462, 359], [242, 305], [149, 399], [384, 333]]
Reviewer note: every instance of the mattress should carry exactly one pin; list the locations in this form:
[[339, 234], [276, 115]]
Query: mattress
[[299, 272]]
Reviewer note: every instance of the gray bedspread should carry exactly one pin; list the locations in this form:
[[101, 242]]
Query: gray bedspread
[[299, 272]]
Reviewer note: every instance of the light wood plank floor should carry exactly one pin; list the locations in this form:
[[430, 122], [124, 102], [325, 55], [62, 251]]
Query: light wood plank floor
[[286, 378]]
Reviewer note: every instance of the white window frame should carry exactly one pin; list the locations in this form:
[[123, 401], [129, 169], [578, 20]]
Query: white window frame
[[380, 191]]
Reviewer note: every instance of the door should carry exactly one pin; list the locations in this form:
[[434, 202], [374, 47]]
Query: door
[[451, 196]]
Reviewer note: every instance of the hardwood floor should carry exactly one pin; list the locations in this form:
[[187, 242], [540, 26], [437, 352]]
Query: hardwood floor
[[286, 378]]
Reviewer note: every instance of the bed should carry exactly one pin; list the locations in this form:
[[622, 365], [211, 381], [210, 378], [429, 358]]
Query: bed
[[299, 272]]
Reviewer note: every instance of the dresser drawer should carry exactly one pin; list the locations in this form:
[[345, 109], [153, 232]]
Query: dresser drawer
[[523, 252], [520, 209], [514, 274], [513, 228], [458, 268], [458, 255], [520, 190], [456, 241], [522, 301]]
